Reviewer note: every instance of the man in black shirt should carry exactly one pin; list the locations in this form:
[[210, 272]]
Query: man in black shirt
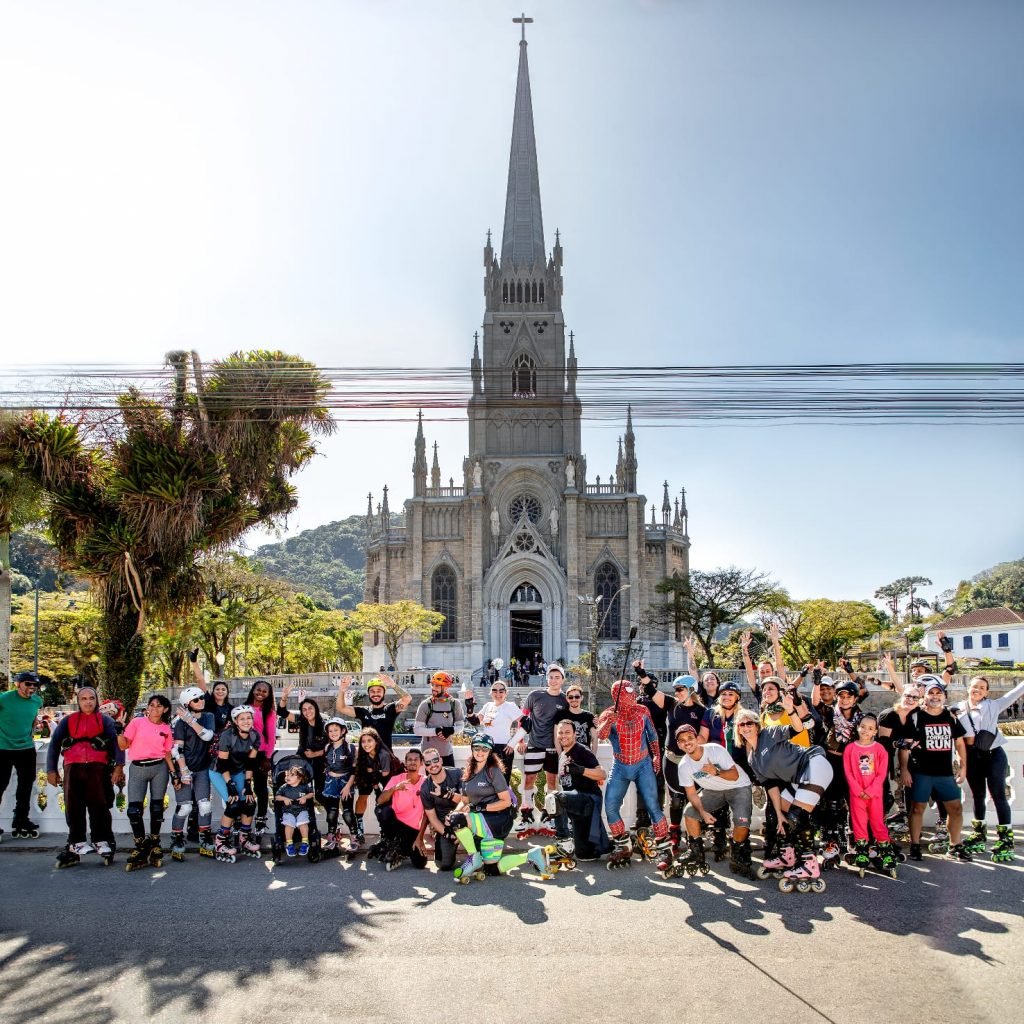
[[378, 715], [579, 796]]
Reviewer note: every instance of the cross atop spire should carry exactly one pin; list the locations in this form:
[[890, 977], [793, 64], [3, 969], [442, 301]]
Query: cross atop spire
[[524, 21]]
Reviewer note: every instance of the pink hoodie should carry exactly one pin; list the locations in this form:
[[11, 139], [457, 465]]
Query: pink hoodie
[[866, 768]]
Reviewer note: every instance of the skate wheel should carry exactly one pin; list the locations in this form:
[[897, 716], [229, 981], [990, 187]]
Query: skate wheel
[[314, 856], [389, 866], [803, 886], [786, 885], [465, 880], [158, 863], [892, 872], [762, 873], [860, 871], [570, 865], [818, 885], [479, 876]]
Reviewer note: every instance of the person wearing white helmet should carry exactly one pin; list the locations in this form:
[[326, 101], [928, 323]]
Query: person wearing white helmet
[[927, 743], [237, 752], [192, 732]]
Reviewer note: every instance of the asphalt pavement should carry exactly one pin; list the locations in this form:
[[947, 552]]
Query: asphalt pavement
[[342, 941]]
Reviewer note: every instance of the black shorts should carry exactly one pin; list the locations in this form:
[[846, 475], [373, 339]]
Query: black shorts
[[537, 759]]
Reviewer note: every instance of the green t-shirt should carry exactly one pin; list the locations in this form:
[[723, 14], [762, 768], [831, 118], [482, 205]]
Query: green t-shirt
[[17, 716]]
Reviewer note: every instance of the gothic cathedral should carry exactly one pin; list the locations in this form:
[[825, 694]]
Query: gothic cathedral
[[526, 555]]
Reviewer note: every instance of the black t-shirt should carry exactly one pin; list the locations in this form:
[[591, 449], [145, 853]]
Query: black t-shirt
[[221, 713], [936, 736], [659, 715], [582, 722], [311, 738], [196, 752], [584, 757], [889, 720], [340, 760], [380, 717], [683, 714], [441, 797]]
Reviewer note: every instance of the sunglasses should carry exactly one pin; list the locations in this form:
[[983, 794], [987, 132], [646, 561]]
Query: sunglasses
[[574, 696], [498, 689]]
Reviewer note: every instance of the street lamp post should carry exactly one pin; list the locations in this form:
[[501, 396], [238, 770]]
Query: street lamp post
[[35, 642], [597, 624]]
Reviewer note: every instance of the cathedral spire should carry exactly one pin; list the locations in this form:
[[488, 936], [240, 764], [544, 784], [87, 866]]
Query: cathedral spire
[[629, 464], [419, 463], [571, 369], [522, 241], [475, 366], [666, 506], [435, 471]]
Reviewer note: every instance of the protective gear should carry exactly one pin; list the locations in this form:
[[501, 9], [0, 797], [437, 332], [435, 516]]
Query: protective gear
[[847, 687], [684, 682], [650, 688], [729, 686], [183, 810], [930, 682], [442, 679], [189, 694], [375, 681], [135, 818], [483, 740], [241, 709], [205, 807], [336, 720], [26, 677]]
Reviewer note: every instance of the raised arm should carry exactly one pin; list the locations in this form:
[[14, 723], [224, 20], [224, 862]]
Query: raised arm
[[780, 661], [745, 639], [339, 705], [949, 666]]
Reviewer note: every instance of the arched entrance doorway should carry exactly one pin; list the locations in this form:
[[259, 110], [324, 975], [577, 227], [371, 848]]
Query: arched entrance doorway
[[526, 623], [524, 602]]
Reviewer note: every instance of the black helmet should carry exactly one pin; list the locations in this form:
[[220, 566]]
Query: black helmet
[[27, 677]]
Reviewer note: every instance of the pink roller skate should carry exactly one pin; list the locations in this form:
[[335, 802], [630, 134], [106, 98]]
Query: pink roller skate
[[805, 877], [777, 866]]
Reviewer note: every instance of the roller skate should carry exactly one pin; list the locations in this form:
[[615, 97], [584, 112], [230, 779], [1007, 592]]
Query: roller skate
[[739, 859], [156, 853], [675, 836], [546, 828], [691, 861], [106, 850], [206, 844], [939, 842], [1002, 852], [526, 826], [860, 859], [622, 855], [805, 877], [23, 828], [250, 845], [72, 854], [830, 854], [561, 856], [177, 846], [355, 842], [899, 830], [720, 847], [888, 859], [139, 856], [330, 845], [470, 870], [959, 852], [974, 841], [778, 865], [915, 852], [538, 859], [644, 845], [224, 849]]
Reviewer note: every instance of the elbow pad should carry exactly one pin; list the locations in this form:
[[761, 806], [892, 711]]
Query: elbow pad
[[206, 735], [650, 687]]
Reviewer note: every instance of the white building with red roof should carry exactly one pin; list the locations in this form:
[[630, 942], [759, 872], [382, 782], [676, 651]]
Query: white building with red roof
[[996, 634]]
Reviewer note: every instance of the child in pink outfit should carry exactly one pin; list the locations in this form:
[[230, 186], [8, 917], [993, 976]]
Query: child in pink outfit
[[866, 763]]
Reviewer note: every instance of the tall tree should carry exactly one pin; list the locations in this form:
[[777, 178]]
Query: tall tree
[[891, 594], [821, 629], [132, 504], [395, 622], [1000, 586], [705, 601]]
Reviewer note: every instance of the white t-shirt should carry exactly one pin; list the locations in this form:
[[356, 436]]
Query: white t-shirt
[[694, 773], [499, 721]]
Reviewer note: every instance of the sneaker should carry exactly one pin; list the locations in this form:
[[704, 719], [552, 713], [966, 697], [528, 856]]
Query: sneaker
[[915, 852], [303, 849], [103, 849], [290, 849]]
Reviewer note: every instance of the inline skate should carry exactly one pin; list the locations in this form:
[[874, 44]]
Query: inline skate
[[23, 828], [207, 848], [888, 859], [739, 859], [139, 856], [975, 840], [805, 877], [106, 850], [178, 846], [777, 865], [860, 858], [622, 855], [1002, 851], [72, 854], [939, 842], [224, 849], [691, 861]]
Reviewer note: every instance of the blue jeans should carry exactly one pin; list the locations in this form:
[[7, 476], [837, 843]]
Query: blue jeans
[[642, 773]]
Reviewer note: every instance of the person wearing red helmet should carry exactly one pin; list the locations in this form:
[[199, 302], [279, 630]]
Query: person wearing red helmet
[[439, 718]]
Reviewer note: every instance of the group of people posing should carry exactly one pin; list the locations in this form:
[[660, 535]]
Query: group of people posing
[[825, 768]]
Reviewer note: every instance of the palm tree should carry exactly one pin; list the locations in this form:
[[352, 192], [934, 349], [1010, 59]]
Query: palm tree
[[180, 474]]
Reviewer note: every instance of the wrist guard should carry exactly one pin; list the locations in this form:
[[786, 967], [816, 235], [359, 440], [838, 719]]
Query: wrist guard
[[576, 770], [803, 673], [98, 743], [946, 644], [248, 788], [952, 668], [232, 789], [448, 732], [193, 655], [816, 676]]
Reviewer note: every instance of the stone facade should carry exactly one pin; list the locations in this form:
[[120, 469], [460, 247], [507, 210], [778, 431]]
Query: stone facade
[[523, 552]]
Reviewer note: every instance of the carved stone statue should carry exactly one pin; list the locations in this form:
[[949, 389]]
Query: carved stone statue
[[553, 519], [495, 524], [477, 475], [570, 473]]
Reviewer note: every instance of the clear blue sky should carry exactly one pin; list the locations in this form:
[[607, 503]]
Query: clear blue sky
[[789, 182]]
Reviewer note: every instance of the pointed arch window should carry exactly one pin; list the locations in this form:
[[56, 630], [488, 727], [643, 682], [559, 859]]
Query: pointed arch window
[[504, 291], [524, 376], [606, 587], [443, 599], [526, 593]]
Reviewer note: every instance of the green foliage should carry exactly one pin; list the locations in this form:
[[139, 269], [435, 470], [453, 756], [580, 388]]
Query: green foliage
[[396, 621], [1000, 586], [820, 629], [131, 506], [706, 601], [329, 559]]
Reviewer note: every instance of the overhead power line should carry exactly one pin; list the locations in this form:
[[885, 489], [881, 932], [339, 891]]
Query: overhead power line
[[979, 393]]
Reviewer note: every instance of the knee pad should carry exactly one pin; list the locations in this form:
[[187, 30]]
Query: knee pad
[[233, 810], [491, 850], [205, 808], [677, 801], [246, 807], [349, 817], [796, 817], [184, 810], [135, 812]]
